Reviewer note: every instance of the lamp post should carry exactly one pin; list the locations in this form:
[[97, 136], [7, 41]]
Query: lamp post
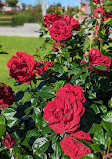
[[43, 8]]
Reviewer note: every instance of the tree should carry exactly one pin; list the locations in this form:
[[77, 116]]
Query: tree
[[11, 3]]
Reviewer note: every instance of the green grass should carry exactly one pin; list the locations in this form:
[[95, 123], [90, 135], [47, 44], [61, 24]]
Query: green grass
[[13, 44]]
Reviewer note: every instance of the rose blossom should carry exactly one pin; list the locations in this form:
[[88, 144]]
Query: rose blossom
[[64, 112], [60, 31], [97, 58], [71, 22], [74, 148], [49, 19], [8, 141], [42, 67], [75, 23], [7, 96], [98, 11], [22, 67], [98, 1]]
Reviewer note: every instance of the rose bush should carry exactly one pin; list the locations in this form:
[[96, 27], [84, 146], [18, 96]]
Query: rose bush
[[67, 112]]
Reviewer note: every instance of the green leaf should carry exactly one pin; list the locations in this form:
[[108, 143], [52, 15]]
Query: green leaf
[[98, 137], [109, 141], [101, 67], [9, 113], [40, 145], [19, 96], [95, 147], [57, 149], [74, 71], [95, 108], [110, 103], [2, 130], [28, 157], [108, 117], [89, 156], [30, 133], [46, 92], [103, 108], [59, 84], [36, 114], [2, 120], [58, 68]]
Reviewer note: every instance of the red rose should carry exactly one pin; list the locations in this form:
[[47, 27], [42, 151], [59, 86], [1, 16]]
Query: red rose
[[98, 1], [97, 58], [73, 148], [22, 67], [64, 112], [7, 96], [8, 141], [60, 31], [71, 22], [49, 19], [42, 67], [75, 24], [57, 45], [67, 19], [77, 91], [98, 12]]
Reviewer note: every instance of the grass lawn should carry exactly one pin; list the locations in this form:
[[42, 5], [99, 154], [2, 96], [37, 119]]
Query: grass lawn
[[13, 44]]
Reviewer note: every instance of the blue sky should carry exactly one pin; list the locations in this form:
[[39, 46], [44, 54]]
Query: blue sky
[[63, 2]]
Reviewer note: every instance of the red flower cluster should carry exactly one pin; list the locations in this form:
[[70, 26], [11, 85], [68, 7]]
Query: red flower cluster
[[97, 58], [22, 67], [7, 96], [8, 141], [42, 67], [73, 148], [98, 1], [49, 19], [61, 29], [98, 12], [64, 112]]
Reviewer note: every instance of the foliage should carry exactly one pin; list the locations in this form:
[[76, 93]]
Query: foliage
[[69, 111], [11, 3]]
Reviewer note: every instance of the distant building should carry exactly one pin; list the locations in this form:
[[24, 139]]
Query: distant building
[[84, 6], [20, 6]]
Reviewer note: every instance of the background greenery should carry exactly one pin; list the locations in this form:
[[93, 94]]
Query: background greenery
[[11, 45]]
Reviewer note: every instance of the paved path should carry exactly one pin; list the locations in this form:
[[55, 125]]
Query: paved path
[[28, 30]]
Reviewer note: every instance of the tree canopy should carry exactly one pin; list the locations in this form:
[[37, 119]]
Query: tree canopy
[[11, 3]]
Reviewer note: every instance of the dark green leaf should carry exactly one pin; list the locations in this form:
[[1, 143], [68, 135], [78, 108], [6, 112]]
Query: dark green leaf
[[19, 96], [101, 67], [103, 108], [2, 130], [2, 120], [9, 113], [40, 145], [110, 103], [108, 117], [89, 156], [46, 92], [36, 115], [95, 108]]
